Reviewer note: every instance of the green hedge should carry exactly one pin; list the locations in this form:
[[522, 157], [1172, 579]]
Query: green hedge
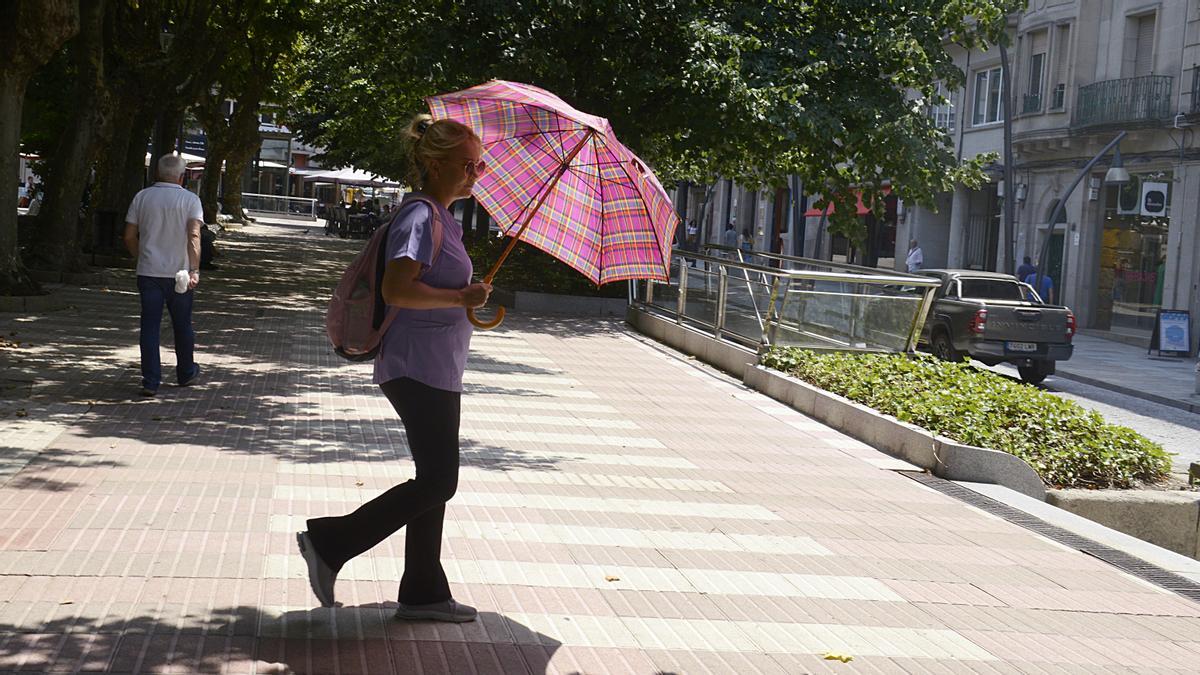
[[529, 269], [1067, 445]]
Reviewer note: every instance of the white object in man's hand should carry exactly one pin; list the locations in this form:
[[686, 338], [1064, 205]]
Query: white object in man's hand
[[193, 279]]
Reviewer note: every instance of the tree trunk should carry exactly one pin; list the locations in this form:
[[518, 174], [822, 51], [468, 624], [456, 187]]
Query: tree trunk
[[14, 280], [481, 221], [58, 222], [236, 165], [210, 182], [165, 137]]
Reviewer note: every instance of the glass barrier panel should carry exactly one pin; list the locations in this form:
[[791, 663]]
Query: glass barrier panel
[[703, 287]]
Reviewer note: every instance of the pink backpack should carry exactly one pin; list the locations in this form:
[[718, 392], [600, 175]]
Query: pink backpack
[[357, 316]]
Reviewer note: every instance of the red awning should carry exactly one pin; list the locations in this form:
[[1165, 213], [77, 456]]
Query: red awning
[[860, 207]]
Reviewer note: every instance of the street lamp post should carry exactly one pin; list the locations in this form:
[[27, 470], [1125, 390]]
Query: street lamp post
[[1116, 175]]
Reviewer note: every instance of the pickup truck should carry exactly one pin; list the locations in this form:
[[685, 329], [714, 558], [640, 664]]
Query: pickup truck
[[994, 318]]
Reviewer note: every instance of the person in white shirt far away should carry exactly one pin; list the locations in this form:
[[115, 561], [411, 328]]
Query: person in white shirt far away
[[915, 258]]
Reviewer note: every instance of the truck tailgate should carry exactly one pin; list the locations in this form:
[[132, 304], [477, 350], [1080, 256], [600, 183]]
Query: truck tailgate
[[1022, 322]]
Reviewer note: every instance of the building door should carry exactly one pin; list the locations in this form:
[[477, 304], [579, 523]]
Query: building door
[[1054, 263]]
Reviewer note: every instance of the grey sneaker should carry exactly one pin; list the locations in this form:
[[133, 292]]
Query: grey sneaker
[[320, 576], [447, 610]]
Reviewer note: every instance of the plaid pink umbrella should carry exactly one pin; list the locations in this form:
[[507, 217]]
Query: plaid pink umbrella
[[558, 179]]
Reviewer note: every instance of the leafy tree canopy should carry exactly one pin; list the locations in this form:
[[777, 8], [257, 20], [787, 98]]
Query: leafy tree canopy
[[834, 91]]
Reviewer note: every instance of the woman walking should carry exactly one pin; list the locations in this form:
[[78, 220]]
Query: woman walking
[[419, 368]]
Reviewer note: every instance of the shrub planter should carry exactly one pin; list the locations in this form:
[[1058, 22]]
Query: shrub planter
[[1163, 518], [940, 456], [550, 303]]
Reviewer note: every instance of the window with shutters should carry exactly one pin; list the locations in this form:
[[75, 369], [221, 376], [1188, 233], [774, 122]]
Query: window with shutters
[[1035, 79], [1139, 46], [988, 105], [1062, 64]]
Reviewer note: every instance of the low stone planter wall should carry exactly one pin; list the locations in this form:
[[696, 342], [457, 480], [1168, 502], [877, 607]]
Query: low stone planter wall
[[81, 278], [1167, 519], [940, 456], [32, 303], [550, 303]]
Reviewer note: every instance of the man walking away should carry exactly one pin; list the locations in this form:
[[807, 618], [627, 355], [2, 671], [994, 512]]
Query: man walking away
[[162, 230], [1046, 291]]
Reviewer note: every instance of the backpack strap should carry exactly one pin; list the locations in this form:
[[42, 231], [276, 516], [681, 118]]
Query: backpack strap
[[384, 314]]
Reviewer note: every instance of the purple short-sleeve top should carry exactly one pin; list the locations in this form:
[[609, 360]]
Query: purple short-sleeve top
[[428, 345]]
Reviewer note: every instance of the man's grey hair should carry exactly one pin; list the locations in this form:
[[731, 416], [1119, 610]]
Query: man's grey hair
[[171, 167]]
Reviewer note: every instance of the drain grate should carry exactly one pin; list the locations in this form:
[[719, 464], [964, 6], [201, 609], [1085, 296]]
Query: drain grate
[[1119, 559]]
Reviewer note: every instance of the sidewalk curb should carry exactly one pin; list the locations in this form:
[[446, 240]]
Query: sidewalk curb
[[1135, 393]]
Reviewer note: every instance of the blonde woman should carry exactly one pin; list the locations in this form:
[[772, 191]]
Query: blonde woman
[[419, 368]]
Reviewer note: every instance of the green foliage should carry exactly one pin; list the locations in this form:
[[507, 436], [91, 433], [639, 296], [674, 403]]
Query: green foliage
[[834, 91], [1067, 445], [529, 269]]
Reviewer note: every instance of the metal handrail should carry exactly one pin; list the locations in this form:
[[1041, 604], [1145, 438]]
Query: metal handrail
[[803, 285]]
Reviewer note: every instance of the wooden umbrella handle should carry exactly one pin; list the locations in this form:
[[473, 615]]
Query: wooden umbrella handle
[[486, 325]]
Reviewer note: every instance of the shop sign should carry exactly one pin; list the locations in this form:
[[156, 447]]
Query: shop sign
[[1172, 333], [1154, 199]]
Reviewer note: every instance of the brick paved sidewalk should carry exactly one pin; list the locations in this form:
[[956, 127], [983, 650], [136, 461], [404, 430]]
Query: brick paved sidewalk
[[621, 510]]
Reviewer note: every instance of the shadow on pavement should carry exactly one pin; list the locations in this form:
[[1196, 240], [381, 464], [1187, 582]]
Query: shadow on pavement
[[238, 639]]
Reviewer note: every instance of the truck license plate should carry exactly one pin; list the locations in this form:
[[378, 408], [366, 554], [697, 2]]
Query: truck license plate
[[1022, 346]]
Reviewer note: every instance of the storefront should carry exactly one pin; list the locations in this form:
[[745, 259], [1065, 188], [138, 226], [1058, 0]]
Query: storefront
[[1133, 254]]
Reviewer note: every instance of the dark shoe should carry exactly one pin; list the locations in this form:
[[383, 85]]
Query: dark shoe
[[147, 392], [194, 377], [320, 576], [447, 610]]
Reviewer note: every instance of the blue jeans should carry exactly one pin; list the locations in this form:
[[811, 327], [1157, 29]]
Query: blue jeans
[[155, 291]]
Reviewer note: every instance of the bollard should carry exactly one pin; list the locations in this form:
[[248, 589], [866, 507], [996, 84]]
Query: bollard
[[1198, 377]]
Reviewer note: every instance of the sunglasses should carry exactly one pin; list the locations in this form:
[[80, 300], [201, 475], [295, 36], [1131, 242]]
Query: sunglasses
[[474, 167]]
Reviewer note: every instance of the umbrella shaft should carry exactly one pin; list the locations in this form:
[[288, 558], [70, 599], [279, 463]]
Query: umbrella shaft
[[562, 169]]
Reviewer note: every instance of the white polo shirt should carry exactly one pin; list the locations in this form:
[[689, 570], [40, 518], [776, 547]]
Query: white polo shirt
[[162, 212]]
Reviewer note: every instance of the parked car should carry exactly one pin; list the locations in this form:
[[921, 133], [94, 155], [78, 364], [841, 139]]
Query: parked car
[[995, 318]]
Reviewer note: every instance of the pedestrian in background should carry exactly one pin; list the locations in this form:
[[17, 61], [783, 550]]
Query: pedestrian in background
[[162, 231], [915, 259], [729, 238], [1046, 290], [1026, 268], [420, 368]]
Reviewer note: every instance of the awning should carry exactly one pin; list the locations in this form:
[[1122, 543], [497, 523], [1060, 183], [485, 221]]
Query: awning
[[352, 176], [860, 207], [187, 157]]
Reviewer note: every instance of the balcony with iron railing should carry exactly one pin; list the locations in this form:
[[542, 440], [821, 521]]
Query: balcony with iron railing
[[1131, 101]]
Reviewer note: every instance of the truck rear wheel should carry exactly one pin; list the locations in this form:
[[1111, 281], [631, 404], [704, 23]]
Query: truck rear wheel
[[1034, 374], [944, 349]]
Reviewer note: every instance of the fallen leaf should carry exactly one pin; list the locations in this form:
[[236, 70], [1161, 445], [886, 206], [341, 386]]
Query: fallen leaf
[[844, 658], [22, 413], [612, 578], [66, 602], [358, 483]]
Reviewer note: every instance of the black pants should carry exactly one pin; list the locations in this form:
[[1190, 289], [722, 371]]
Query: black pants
[[430, 419]]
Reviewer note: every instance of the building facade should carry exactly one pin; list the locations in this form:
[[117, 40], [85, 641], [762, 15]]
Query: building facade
[[1082, 72]]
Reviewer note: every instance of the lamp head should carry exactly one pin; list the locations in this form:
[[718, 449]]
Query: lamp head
[[1116, 174]]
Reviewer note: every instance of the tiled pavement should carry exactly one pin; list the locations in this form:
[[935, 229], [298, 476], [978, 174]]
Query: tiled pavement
[[621, 510], [1130, 370]]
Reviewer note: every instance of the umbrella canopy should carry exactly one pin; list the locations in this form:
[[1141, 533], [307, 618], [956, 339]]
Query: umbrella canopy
[[558, 179]]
